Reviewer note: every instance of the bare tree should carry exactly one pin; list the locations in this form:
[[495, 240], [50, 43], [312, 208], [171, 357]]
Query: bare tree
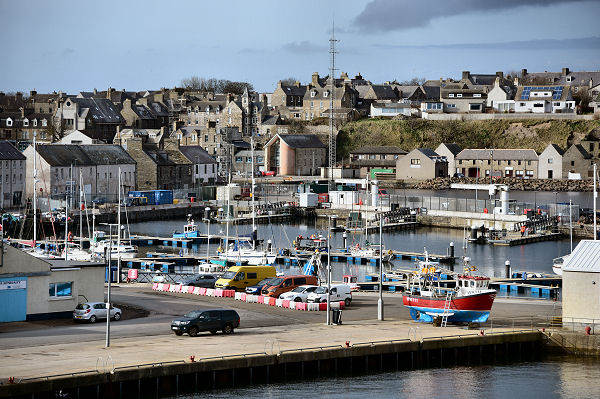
[[289, 81], [413, 82], [215, 85]]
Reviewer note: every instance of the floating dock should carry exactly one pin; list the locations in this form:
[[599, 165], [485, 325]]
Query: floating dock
[[528, 239]]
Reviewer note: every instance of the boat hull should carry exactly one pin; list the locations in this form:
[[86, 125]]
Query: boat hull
[[192, 234], [471, 308]]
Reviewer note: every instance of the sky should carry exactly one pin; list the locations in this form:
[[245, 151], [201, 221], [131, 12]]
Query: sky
[[79, 45]]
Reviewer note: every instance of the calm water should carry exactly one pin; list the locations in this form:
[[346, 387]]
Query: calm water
[[558, 377]]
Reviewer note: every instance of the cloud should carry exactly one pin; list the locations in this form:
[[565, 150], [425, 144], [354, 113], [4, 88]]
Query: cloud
[[391, 15], [582, 43], [304, 47]]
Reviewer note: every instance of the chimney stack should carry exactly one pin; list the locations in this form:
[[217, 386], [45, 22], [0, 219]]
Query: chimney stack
[[500, 74], [565, 71], [466, 75]]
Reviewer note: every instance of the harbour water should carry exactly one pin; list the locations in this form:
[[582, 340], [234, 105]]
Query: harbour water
[[553, 377]]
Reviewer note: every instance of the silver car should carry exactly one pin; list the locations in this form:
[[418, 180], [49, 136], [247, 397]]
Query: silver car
[[92, 311], [299, 294]]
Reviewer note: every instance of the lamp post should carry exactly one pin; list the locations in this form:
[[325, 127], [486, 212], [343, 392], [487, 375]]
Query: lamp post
[[329, 272], [108, 260], [380, 300]]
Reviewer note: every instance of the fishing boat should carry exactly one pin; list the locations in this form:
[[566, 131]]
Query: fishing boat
[[190, 230], [469, 302], [242, 251], [122, 249]]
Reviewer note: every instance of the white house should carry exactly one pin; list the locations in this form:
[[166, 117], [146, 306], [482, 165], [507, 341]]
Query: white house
[[205, 166], [390, 109], [78, 137], [581, 285], [544, 99]]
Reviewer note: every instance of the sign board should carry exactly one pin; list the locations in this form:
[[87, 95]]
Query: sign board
[[13, 285], [132, 274]]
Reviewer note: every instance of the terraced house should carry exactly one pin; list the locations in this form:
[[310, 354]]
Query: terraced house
[[517, 163], [12, 176]]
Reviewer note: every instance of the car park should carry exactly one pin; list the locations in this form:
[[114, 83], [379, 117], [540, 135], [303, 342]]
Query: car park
[[255, 289], [299, 294], [339, 292], [94, 311], [212, 320], [204, 280]]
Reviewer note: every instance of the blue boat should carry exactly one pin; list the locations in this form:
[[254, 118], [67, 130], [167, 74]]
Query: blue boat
[[190, 230]]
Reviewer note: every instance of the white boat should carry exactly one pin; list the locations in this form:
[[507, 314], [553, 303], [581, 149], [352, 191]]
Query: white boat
[[126, 251], [369, 252], [242, 252], [74, 252], [558, 263]]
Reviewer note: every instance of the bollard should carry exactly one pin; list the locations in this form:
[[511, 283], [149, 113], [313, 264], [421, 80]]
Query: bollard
[[507, 268], [345, 239], [452, 249], [588, 330]]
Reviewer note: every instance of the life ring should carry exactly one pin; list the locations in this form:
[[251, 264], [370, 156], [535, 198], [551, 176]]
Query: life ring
[[52, 219], [432, 269], [70, 236]]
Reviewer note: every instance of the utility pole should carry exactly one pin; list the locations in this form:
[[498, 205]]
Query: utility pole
[[380, 300], [329, 272], [332, 143]]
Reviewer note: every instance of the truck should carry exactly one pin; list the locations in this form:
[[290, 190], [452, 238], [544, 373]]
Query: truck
[[153, 197]]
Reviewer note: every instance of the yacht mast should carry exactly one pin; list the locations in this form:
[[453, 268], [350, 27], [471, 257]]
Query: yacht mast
[[119, 229], [80, 210], [228, 217], [34, 191], [252, 192]]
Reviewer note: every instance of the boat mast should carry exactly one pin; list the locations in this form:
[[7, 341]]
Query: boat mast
[[80, 211], [252, 192], [119, 229], [34, 191], [208, 243], [67, 211], [227, 213]]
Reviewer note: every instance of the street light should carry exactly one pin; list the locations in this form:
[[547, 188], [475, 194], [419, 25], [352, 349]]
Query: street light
[[108, 258], [329, 272], [380, 301]]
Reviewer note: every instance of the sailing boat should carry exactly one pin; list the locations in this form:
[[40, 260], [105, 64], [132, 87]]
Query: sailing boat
[[246, 251], [73, 251]]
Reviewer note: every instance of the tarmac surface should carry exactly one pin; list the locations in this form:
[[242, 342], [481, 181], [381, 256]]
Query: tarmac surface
[[37, 349]]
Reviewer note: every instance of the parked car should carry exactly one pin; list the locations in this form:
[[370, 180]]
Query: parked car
[[200, 280], [299, 294], [268, 173], [99, 201], [255, 289], [92, 311], [459, 175], [284, 284], [212, 320], [339, 292]]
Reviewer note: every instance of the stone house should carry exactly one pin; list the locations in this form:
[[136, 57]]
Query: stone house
[[13, 169], [139, 116], [204, 167], [421, 164], [317, 98], [96, 117], [242, 162], [551, 162], [295, 154], [223, 110], [376, 159], [460, 98], [60, 166], [498, 98], [20, 126], [288, 100], [577, 162], [581, 82], [591, 143], [517, 163], [255, 110], [450, 151]]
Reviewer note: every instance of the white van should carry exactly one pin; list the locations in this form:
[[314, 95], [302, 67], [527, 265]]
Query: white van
[[339, 292]]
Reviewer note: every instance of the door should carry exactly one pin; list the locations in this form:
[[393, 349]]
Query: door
[[100, 310], [13, 297], [550, 174], [214, 321]]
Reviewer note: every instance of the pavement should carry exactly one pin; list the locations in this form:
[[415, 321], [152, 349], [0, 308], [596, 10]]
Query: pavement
[[28, 351]]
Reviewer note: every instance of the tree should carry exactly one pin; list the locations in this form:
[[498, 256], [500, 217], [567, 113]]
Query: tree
[[413, 82], [289, 81], [215, 85]]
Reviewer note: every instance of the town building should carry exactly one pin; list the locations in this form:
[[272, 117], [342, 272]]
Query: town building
[[36, 289], [581, 286], [550, 164], [67, 168], [242, 162], [295, 154], [421, 164], [96, 117], [376, 160], [450, 151], [78, 137], [517, 163], [390, 109], [12, 176], [577, 163], [203, 165]]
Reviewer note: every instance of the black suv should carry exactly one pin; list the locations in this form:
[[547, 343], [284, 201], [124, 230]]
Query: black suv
[[211, 320]]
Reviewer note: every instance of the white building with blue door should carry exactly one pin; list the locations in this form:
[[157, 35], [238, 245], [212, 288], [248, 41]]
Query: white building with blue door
[[32, 288]]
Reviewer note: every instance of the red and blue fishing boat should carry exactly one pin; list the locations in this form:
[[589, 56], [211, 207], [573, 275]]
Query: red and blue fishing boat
[[469, 302]]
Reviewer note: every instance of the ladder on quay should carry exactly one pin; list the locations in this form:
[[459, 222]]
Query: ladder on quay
[[446, 312]]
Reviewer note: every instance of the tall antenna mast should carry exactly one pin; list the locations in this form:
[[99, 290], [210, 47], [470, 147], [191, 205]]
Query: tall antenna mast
[[332, 149]]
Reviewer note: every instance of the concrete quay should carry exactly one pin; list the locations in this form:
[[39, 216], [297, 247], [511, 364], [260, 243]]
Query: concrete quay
[[162, 364]]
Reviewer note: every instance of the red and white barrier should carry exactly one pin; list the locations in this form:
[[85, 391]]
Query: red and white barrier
[[154, 286], [279, 303]]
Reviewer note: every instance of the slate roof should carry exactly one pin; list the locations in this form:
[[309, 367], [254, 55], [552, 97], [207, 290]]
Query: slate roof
[[584, 258], [453, 148], [428, 152], [302, 140], [196, 154], [558, 149], [294, 90], [9, 152], [383, 149], [584, 153], [566, 92], [271, 120], [374, 162], [498, 154], [143, 112], [101, 109], [91, 154], [385, 92]]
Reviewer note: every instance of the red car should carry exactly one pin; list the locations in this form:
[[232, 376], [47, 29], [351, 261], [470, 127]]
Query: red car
[[268, 173]]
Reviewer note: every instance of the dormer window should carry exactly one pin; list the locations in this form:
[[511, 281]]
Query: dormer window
[[451, 95], [44, 122], [459, 95], [229, 110], [325, 93], [35, 122], [25, 122], [208, 109], [9, 122], [313, 93]]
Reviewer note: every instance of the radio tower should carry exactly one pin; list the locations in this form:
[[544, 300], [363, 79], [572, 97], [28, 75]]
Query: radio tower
[[332, 149]]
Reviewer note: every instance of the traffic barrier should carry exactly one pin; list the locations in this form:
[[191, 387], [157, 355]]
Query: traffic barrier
[[279, 303], [202, 291], [272, 301], [172, 288], [229, 293], [159, 286], [300, 306], [260, 299], [252, 298], [177, 288], [197, 290], [154, 286], [334, 305], [238, 296], [293, 305], [190, 290], [243, 295], [285, 303], [266, 300], [323, 306], [313, 306], [218, 292], [210, 292], [166, 287], [342, 304]]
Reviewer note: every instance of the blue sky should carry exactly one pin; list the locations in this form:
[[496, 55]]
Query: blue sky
[[77, 45]]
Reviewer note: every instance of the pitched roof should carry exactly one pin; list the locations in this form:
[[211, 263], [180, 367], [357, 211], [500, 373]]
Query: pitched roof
[[302, 140], [294, 90], [196, 154], [102, 110], [383, 149], [9, 152], [453, 148], [581, 150], [90, 154], [428, 152], [384, 92], [584, 258], [498, 154], [557, 148]]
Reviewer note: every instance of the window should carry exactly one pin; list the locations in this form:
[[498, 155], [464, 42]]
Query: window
[[206, 138], [509, 162], [238, 159], [529, 163], [451, 105], [35, 122], [9, 122], [557, 104], [415, 162], [591, 146], [477, 95], [550, 160], [252, 275], [459, 95], [321, 105], [451, 95], [312, 104], [519, 162], [475, 107], [25, 122], [60, 290], [325, 93], [248, 159]]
